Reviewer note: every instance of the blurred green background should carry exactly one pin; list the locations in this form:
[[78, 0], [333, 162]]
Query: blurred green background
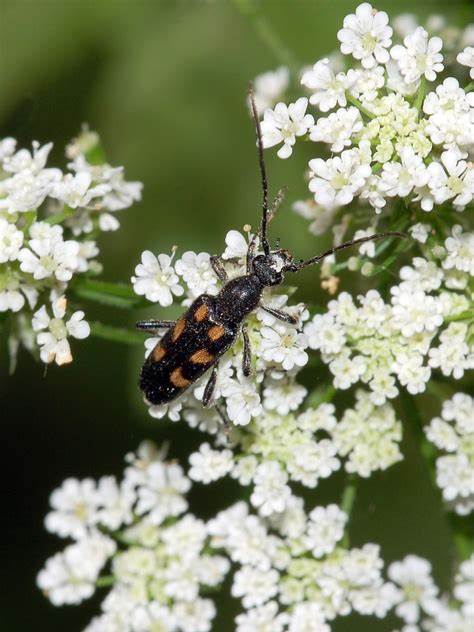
[[164, 83]]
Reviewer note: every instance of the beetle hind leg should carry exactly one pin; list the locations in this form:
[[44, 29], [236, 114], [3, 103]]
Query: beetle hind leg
[[247, 356]]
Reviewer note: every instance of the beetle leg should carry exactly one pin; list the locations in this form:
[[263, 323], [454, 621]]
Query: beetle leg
[[225, 420], [210, 386], [154, 326], [247, 359], [284, 316], [216, 263]]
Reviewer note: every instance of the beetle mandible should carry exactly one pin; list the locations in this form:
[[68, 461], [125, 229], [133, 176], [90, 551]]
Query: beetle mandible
[[194, 343]]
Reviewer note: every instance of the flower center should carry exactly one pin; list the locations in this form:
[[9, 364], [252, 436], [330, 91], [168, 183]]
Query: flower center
[[48, 263], [369, 42], [455, 184], [58, 328], [339, 181]]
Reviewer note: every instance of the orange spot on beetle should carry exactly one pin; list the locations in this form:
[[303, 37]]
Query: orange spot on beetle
[[177, 378], [216, 332], [202, 357], [158, 353], [201, 313], [178, 329]]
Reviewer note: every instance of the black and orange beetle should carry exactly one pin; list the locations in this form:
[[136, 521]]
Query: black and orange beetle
[[195, 342]]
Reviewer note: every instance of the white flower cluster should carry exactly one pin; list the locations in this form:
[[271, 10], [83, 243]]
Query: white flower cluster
[[278, 349], [49, 223], [157, 559], [453, 433], [294, 575], [392, 135], [422, 328], [419, 603], [278, 449]]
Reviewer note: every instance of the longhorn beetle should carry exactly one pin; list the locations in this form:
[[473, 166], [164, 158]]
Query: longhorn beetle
[[195, 342]]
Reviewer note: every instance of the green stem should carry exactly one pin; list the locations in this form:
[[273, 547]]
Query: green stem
[[352, 99], [347, 504], [460, 531], [105, 581], [469, 87], [420, 97], [267, 34], [467, 315], [116, 334]]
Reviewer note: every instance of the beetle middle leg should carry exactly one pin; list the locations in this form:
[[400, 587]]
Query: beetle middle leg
[[277, 313], [210, 386], [247, 359], [217, 266], [154, 326]]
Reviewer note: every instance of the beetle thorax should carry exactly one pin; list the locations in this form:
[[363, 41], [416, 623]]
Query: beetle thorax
[[270, 269]]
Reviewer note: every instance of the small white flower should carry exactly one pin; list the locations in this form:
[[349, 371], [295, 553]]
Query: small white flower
[[236, 245], [413, 575], [271, 493], [242, 401], [74, 506], [69, 577], [283, 396], [452, 179], [156, 279], [325, 528], [76, 191], [366, 35], [284, 345], [336, 181], [209, 465], [459, 251], [328, 88], [400, 178], [197, 273], [420, 56], [338, 128], [466, 58], [255, 586], [160, 491], [284, 124], [11, 240], [420, 232], [53, 343], [48, 255], [269, 88]]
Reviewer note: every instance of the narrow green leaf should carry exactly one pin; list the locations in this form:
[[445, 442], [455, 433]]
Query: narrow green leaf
[[113, 294], [116, 334]]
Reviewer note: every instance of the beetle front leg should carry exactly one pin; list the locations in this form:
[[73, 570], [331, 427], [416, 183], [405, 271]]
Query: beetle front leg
[[247, 359], [154, 326], [217, 266], [277, 313], [210, 386]]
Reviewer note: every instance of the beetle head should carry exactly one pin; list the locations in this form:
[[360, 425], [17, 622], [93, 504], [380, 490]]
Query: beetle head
[[270, 268]]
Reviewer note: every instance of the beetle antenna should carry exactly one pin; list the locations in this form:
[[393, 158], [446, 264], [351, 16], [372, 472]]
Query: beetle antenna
[[295, 267], [263, 173]]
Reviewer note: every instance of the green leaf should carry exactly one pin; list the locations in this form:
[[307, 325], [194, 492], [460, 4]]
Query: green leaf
[[113, 294], [116, 334], [58, 218]]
